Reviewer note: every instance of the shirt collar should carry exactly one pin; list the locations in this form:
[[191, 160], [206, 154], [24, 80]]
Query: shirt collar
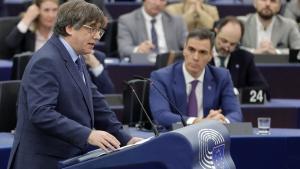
[[148, 18], [189, 78], [70, 50], [261, 27]]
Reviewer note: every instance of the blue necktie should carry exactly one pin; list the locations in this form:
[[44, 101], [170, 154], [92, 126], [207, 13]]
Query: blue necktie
[[79, 66], [192, 104], [154, 35]]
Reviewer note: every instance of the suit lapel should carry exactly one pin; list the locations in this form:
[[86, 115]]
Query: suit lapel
[[141, 26], [209, 88], [168, 33], [275, 37], [252, 30], [71, 67], [179, 88], [234, 67]]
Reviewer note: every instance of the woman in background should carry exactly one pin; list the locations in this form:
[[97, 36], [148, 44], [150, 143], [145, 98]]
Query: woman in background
[[195, 13], [35, 27]]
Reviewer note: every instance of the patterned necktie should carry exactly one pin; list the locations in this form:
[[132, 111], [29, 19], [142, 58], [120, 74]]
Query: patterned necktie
[[192, 104], [154, 35], [222, 61], [79, 66]]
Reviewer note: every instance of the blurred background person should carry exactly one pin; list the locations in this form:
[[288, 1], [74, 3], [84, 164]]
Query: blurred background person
[[268, 32], [239, 62], [292, 10], [35, 27], [150, 29], [196, 13]]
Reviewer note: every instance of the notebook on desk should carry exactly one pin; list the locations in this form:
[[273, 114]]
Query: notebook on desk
[[138, 58]]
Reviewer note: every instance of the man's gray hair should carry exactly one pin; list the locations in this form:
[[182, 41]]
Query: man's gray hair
[[76, 13]]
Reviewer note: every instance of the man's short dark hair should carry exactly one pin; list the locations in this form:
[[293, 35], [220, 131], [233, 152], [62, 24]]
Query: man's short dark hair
[[230, 19], [202, 34], [76, 13]]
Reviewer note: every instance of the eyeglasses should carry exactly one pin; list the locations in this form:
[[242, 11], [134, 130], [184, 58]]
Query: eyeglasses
[[93, 31]]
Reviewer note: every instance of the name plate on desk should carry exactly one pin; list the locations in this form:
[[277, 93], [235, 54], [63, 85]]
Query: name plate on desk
[[252, 95]]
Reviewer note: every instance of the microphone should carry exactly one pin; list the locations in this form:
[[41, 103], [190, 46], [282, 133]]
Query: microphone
[[165, 97], [143, 108]]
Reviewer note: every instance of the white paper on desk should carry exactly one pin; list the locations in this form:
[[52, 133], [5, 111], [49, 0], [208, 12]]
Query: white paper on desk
[[99, 152], [137, 143]]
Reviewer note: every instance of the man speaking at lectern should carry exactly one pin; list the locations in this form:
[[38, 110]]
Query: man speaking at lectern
[[198, 90], [60, 112]]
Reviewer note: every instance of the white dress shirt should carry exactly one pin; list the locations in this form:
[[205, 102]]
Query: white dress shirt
[[199, 90], [162, 44]]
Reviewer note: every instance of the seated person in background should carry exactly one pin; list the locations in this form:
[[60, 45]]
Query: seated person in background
[[195, 13], [200, 91], [100, 4], [239, 62], [100, 77], [268, 32], [35, 28], [150, 30], [292, 10]]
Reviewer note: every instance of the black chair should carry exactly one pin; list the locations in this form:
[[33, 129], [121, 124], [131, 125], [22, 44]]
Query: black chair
[[165, 59], [133, 112], [110, 39], [7, 24], [19, 64], [9, 91]]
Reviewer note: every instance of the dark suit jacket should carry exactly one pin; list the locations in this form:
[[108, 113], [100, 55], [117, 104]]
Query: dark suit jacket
[[217, 93], [244, 72], [20, 42], [57, 111]]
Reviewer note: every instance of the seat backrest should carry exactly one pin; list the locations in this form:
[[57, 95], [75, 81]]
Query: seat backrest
[[9, 91], [20, 62], [168, 58], [110, 39], [7, 24], [133, 112]]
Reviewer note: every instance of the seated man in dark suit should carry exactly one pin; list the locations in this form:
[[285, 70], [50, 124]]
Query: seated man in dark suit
[[60, 112], [200, 91], [239, 62]]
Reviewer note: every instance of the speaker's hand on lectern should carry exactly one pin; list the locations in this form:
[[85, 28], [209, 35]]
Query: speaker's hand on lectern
[[103, 140]]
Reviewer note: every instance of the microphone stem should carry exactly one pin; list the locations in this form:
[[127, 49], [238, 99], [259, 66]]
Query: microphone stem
[[149, 119]]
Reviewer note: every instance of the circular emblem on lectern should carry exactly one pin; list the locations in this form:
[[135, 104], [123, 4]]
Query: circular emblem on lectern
[[211, 149]]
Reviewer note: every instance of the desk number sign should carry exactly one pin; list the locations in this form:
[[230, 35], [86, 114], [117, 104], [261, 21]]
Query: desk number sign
[[252, 95]]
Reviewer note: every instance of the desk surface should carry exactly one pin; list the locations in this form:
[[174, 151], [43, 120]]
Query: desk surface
[[284, 87]]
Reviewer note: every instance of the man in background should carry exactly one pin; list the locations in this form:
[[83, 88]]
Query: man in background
[[200, 91], [150, 30], [268, 32], [239, 62]]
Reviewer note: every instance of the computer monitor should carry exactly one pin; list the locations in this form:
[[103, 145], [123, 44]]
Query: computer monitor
[[294, 56]]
